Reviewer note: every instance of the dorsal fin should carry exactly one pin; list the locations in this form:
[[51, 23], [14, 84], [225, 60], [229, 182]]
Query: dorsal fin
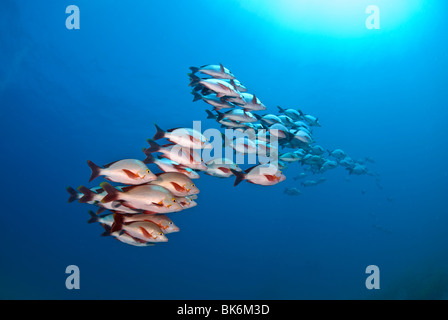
[[172, 129], [128, 188], [251, 168], [222, 68], [109, 164], [254, 100]]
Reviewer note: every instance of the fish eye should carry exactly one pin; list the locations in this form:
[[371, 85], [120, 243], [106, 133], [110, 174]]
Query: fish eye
[[193, 185], [160, 233], [171, 222], [174, 200], [148, 171]]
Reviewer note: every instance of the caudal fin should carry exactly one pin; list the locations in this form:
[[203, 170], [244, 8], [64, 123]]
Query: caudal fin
[[194, 80], [154, 147], [281, 109], [88, 195], [93, 217], [220, 115], [73, 194], [96, 170], [240, 176], [197, 96], [149, 158], [106, 230], [210, 115], [194, 70], [112, 193], [118, 222], [159, 134]]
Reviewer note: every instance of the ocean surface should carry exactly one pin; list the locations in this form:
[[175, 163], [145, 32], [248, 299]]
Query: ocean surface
[[94, 93]]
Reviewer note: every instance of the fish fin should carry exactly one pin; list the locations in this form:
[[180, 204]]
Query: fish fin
[[270, 177], [107, 230], [148, 212], [281, 109], [193, 70], [128, 205], [112, 193], [194, 81], [197, 96], [199, 87], [250, 169], [239, 177], [222, 68], [96, 170], [118, 223], [257, 116], [145, 233], [158, 204], [93, 217], [131, 174], [224, 169], [220, 95], [210, 115], [232, 82], [149, 157], [172, 129], [254, 100], [159, 134], [100, 210], [87, 194], [178, 187], [220, 115], [154, 147], [109, 164], [73, 194]]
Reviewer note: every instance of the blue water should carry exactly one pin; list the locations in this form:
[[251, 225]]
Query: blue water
[[67, 96]]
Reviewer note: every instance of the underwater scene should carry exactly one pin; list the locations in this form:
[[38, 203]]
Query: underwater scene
[[224, 150]]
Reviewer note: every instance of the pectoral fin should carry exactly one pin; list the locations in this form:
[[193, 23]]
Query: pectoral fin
[[270, 177], [146, 233], [131, 174], [178, 187]]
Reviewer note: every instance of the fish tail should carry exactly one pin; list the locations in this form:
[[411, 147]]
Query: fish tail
[[194, 70], [240, 176], [93, 217], [281, 109], [96, 170], [87, 194], [107, 230], [118, 222], [112, 193], [194, 81], [159, 134], [149, 158], [197, 96], [100, 210], [210, 114], [154, 147], [220, 115], [73, 194]]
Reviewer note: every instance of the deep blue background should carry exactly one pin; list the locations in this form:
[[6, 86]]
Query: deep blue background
[[71, 95]]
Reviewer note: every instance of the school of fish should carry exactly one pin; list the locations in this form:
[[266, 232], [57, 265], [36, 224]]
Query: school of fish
[[134, 202]]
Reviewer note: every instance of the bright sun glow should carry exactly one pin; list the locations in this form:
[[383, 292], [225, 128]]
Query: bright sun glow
[[331, 17]]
